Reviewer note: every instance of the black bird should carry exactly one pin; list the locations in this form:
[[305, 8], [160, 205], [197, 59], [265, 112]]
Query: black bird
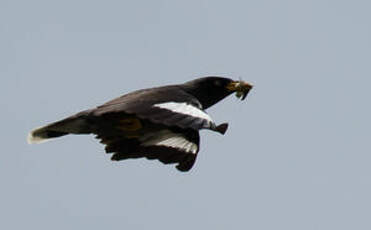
[[158, 123]]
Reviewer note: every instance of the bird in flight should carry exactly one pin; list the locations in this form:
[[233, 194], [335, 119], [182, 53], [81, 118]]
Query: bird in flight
[[157, 123]]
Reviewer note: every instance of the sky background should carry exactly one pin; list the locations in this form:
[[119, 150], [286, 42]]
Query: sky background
[[297, 153]]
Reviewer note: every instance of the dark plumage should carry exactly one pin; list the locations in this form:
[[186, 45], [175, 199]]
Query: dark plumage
[[157, 123]]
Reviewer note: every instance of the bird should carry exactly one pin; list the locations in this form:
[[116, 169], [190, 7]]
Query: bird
[[160, 123]]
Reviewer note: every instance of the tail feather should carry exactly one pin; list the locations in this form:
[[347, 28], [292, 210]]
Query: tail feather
[[42, 134], [77, 124]]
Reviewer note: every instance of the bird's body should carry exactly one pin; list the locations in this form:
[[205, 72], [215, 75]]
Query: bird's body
[[158, 123]]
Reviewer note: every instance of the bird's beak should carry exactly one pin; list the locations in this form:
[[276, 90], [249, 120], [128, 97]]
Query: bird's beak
[[240, 87]]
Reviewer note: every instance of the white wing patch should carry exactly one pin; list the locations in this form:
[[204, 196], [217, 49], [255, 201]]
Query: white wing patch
[[184, 108], [169, 139]]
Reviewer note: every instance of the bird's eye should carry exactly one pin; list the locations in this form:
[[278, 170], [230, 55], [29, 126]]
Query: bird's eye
[[217, 83]]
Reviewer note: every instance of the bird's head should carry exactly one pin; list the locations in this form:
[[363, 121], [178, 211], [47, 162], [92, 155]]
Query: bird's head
[[210, 90]]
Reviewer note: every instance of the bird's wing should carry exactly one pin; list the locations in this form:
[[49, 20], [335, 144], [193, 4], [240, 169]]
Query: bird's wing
[[166, 145], [169, 105]]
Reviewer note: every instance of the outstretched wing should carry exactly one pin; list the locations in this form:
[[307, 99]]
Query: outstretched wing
[[146, 124], [183, 110], [167, 145]]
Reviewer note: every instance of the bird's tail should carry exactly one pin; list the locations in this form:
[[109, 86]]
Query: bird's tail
[[76, 124]]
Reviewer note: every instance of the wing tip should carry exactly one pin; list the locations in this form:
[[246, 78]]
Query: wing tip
[[222, 128]]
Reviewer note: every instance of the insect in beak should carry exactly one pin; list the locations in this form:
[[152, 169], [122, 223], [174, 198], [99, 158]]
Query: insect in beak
[[240, 87]]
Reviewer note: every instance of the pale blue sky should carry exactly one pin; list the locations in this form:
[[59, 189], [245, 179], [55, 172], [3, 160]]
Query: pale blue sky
[[296, 156]]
